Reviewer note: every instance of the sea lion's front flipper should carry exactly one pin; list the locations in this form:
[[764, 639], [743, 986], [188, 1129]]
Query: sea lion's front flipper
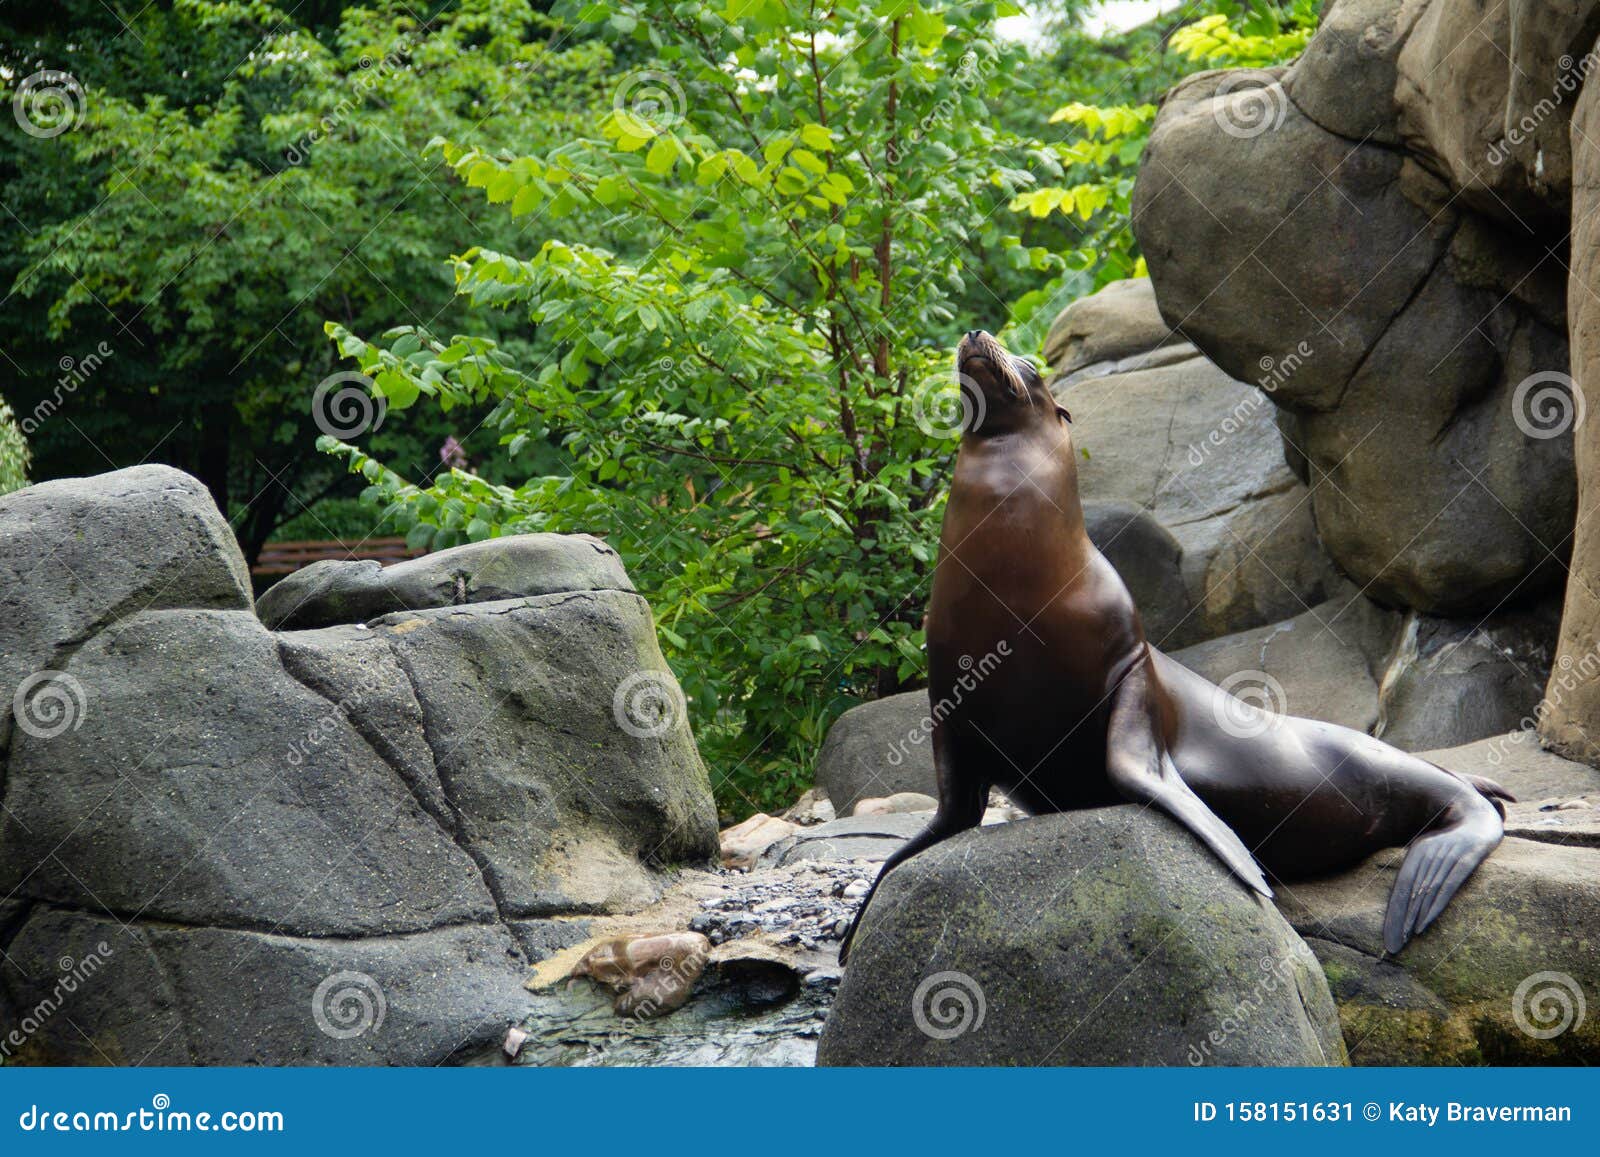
[[1436, 865], [962, 799], [1142, 771]]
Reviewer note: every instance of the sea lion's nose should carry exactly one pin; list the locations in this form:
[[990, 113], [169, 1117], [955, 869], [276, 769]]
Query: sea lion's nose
[[974, 334]]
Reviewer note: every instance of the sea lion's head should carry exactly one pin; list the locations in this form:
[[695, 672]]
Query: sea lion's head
[[1006, 392]]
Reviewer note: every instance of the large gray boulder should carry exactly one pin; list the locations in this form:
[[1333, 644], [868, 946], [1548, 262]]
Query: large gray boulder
[[1105, 937], [878, 749], [1323, 664], [570, 791], [404, 799], [79, 553], [1346, 224], [1415, 681], [162, 994], [205, 786]]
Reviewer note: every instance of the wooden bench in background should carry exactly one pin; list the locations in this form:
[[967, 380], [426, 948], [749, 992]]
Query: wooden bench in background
[[281, 558]]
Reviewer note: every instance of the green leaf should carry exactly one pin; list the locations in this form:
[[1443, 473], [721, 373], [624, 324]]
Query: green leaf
[[526, 200], [662, 156], [791, 182], [400, 391], [806, 159], [817, 137]]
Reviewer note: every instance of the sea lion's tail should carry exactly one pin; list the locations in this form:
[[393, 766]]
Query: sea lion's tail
[[1435, 867], [1490, 790]]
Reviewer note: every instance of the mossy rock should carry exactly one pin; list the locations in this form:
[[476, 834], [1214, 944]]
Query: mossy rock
[[1103, 937]]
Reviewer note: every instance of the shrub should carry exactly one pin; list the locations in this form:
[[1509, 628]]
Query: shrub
[[751, 384]]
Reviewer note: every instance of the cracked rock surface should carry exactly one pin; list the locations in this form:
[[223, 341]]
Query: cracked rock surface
[[231, 816]]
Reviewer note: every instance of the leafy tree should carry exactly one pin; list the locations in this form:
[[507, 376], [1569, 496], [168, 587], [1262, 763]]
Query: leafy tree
[[756, 405], [231, 174]]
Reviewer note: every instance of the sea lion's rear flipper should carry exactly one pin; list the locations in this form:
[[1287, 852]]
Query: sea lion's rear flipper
[[1436, 865], [1489, 790], [1141, 770]]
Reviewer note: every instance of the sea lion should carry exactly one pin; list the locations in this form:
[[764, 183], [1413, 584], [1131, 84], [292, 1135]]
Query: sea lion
[[1083, 712]]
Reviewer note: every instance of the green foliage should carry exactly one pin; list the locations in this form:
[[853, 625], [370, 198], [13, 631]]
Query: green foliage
[[239, 173], [13, 452], [1105, 161], [1258, 37], [750, 382]]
